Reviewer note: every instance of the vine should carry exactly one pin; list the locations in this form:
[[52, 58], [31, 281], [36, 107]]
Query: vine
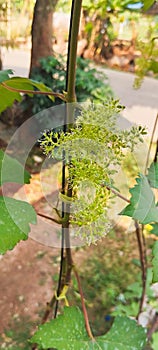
[[91, 148]]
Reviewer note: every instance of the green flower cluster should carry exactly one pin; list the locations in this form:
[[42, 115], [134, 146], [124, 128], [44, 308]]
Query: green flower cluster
[[92, 150]]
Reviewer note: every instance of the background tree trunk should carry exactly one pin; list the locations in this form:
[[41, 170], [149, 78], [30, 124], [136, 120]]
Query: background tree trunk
[[42, 31]]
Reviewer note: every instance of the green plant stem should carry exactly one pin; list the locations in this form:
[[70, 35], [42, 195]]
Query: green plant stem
[[83, 305], [67, 241], [117, 194], [139, 236], [46, 93], [61, 280], [72, 51], [62, 257], [48, 309], [69, 121], [57, 221]]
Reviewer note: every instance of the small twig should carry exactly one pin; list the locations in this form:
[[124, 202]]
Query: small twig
[[50, 218], [47, 93], [48, 310], [151, 142], [69, 119], [144, 246], [83, 306], [143, 266], [61, 273], [118, 194]]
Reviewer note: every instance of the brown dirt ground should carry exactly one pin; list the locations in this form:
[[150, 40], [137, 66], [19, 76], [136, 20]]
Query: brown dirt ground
[[26, 281]]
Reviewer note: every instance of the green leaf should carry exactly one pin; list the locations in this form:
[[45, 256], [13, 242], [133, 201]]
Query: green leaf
[[155, 262], [4, 74], [124, 334], [153, 175], [154, 345], [154, 230], [68, 332], [28, 84], [7, 98], [20, 83], [154, 66], [43, 87], [147, 4], [142, 205], [12, 171], [15, 217]]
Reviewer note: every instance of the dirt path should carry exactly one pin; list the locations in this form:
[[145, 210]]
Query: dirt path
[[25, 270]]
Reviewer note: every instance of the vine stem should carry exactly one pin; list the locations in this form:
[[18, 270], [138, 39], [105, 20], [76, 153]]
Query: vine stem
[[83, 305], [142, 254], [118, 194], [46, 93], [69, 120], [49, 218], [140, 234], [72, 50]]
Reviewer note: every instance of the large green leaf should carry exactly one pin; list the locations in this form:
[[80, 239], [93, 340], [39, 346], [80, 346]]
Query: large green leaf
[[4, 74], [147, 4], [154, 344], [142, 205], [28, 84], [153, 175], [12, 171], [155, 262], [15, 217], [7, 97], [154, 66], [154, 230], [68, 332]]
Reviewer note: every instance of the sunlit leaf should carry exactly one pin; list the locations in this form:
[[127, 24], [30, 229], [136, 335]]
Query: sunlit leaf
[[147, 4], [155, 262], [153, 174], [28, 84], [12, 171], [4, 74], [15, 217], [154, 344], [142, 205], [8, 96], [154, 66], [154, 230], [68, 332]]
